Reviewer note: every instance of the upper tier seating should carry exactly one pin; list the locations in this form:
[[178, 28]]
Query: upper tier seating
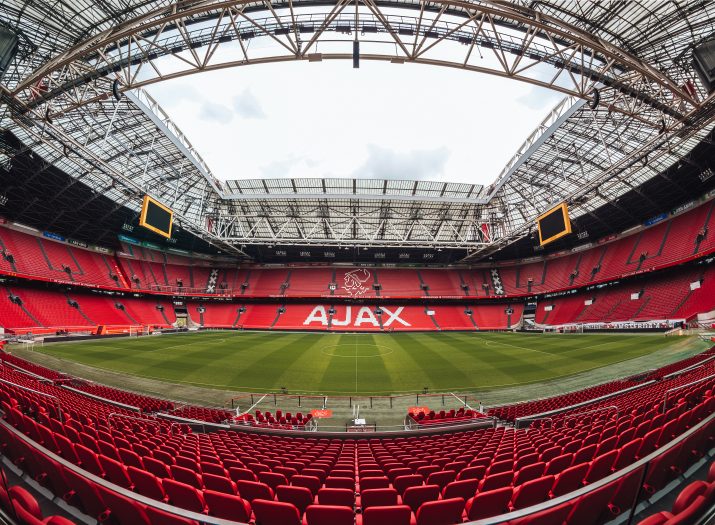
[[660, 297], [48, 259], [686, 236]]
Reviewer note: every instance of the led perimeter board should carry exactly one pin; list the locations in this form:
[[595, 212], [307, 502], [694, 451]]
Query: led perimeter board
[[554, 224], [156, 217]]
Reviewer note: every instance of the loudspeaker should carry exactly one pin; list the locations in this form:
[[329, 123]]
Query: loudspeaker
[[704, 63], [356, 54], [8, 48]]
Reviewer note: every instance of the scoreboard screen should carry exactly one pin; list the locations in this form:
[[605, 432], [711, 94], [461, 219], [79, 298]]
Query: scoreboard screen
[[554, 224], [156, 217]]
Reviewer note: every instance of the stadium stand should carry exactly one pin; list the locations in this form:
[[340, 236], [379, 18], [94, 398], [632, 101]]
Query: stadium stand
[[476, 473], [692, 503]]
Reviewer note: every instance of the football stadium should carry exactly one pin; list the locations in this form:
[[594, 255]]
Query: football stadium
[[370, 262]]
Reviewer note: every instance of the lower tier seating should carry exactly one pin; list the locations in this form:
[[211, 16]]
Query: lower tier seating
[[444, 478]]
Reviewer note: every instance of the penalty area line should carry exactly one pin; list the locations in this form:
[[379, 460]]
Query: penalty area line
[[254, 405]]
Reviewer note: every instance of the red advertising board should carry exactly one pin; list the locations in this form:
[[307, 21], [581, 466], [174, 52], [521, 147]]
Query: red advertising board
[[322, 413], [417, 410]]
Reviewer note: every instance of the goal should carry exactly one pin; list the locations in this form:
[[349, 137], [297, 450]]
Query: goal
[[136, 330]]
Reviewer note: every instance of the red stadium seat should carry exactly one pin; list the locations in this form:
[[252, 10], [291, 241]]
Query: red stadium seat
[[275, 513], [442, 512], [329, 515], [227, 506]]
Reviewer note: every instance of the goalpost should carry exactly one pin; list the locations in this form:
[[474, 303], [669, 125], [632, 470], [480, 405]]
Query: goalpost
[[136, 330]]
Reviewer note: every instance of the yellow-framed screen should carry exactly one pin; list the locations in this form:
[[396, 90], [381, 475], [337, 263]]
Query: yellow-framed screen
[[156, 217], [554, 224]]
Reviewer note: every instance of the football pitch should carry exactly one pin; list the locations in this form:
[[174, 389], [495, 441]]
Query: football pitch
[[358, 364]]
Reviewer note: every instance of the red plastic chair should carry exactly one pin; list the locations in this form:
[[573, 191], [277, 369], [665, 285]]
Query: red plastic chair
[[464, 489], [416, 496], [251, 490], [488, 504], [184, 495], [329, 515], [442, 512], [275, 513], [532, 492], [569, 480], [301, 497], [336, 497], [227, 506], [146, 484], [393, 515], [219, 484], [378, 498], [310, 482], [402, 483]]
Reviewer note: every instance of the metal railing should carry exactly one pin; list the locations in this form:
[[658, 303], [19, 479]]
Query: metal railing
[[56, 400], [616, 477], [200, 518], [601, 409], [670, 390], [118, 415]]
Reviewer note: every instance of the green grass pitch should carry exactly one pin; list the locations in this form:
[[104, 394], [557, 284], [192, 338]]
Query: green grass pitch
[[362, 364]]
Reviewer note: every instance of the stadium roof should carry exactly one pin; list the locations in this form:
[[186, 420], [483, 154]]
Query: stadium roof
[[632, 107]]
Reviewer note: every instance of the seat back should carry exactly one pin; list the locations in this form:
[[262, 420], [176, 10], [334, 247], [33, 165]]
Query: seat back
[[185, 475], [374, 483], [475, 472], [310, 482], [488, 504], [125, 511], [601, 466], [392, 515], [339, 497], [115, 472], [301, 497], [378, 498], [402, 483], [250, 490], [227, 506], [559, 464], [569, 480], [146, 483], [442, 512], [496, 481], [340, 483], [329, 515], [416, 496], [183, 495], [464, 489], [218, 483], [441, 478], [272, 479], [275, 513], [532, 492]]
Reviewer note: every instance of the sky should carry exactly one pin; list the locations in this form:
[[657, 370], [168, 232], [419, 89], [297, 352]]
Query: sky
[[326, 119]]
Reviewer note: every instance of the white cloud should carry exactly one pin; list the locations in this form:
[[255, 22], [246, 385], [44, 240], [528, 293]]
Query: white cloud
[[214, 112], [384, 163], [326, 119], [247, 105]]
